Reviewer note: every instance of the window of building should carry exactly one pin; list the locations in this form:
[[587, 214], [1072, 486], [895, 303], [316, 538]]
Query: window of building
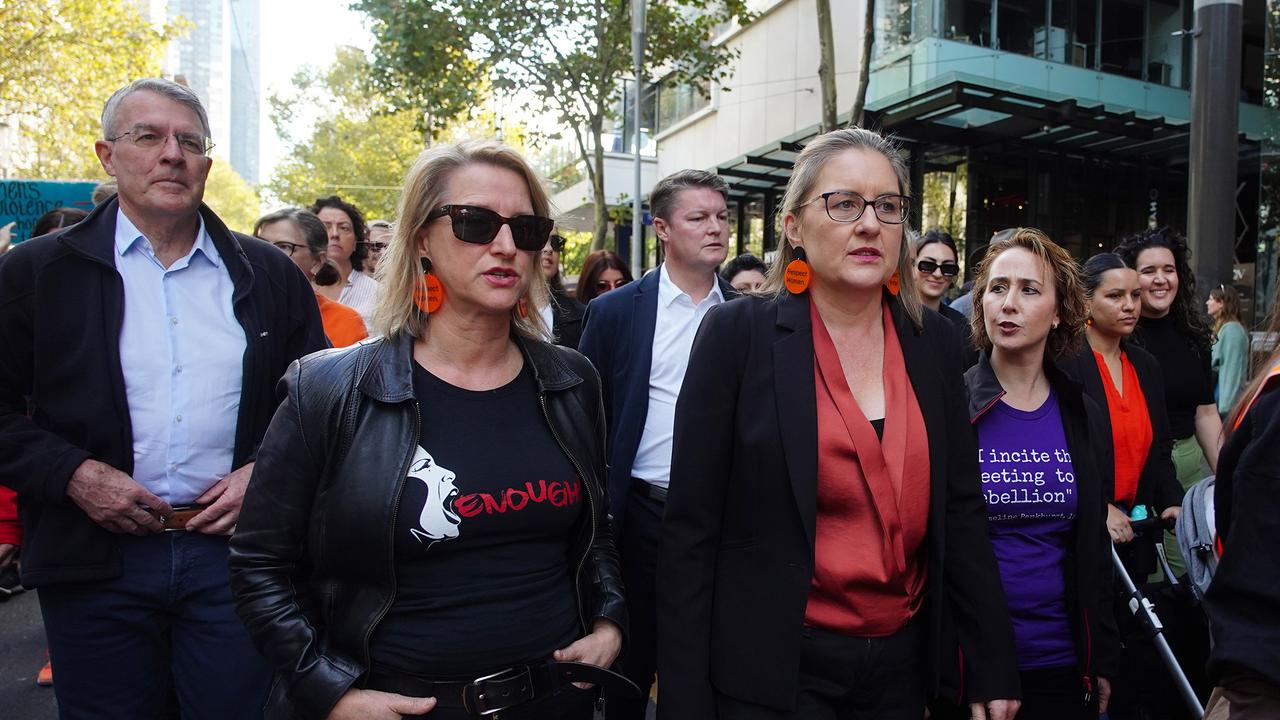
[[677, 101]]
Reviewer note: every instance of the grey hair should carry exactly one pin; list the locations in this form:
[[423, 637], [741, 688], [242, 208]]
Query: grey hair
[[808, 166], [180, 94]]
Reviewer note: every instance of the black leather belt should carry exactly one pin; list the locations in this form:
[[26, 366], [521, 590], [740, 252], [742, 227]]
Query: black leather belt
[[649, 490], [500, 691]]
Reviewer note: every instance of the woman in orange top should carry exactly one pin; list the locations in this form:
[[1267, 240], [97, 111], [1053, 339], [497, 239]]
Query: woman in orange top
[[300, 235]]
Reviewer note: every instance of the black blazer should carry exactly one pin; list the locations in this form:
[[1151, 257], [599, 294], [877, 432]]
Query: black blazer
[[1158, 483], [566, 319], [738, 537], [617, 337]]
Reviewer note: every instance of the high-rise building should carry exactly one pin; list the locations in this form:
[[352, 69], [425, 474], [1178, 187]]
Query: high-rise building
[[219, 59]]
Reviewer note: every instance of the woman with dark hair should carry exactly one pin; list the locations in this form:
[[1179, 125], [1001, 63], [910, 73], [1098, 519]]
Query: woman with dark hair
[[936, 270], [426, 529], [347, 250], [1242, 600], [1046, 474], [745, 273], [300, 235], [1230, 355], [57, 219], [1126, 382], [825, 514], [602, 271], [561, 313], [1173, 329]]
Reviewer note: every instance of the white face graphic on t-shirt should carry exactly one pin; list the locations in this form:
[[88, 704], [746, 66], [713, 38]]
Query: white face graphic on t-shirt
[[438, 520]]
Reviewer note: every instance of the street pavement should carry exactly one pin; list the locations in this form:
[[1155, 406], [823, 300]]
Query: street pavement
[[22, 653]]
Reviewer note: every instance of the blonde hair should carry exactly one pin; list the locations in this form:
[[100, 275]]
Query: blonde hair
[[1068, 287], [804, 177], [400, 270]]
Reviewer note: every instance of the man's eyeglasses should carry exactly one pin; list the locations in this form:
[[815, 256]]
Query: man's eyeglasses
[[928, 266], [479, 226], [557, 243], [844, 206], [150, 139], [287, 247]]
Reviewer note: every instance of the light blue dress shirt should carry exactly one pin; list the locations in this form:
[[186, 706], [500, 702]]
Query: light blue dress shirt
[[182, 352]]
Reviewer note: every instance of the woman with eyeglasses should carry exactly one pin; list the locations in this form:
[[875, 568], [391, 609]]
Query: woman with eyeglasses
[[824, 513], [348, 251], [1045, 475], [561, 313], [1229, 357], [602, 271], [300, 235], [426, 529]]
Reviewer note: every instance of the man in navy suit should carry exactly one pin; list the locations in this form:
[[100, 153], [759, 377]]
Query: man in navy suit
[[639, 338]]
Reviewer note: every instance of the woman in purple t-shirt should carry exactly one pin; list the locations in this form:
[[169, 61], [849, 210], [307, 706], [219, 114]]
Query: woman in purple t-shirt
[[1044, 470]]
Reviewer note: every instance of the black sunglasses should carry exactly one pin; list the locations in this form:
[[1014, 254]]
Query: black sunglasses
[[480, 226], [557, 243], [928, 266]]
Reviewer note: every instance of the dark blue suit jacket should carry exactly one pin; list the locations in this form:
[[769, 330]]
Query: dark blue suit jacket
[[617, 337]]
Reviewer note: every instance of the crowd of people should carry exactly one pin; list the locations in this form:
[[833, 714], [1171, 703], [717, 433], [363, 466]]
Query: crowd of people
[[345, 468]]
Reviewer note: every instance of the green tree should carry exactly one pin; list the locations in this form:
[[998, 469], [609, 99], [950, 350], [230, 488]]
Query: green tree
[[357, 146], [571, 54], [59, 62], [233, 199]]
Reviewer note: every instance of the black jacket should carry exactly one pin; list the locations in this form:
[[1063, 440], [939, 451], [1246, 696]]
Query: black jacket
[[566, 315], [312, 561], [1243, 602], [1158, 484], [1089, 567], [61, 312], [737, 556]]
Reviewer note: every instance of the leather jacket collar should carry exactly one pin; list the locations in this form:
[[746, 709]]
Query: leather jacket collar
[[985, 390], [389, 376]]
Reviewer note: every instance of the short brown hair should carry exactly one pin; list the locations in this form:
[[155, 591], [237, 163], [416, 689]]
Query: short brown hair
[[662, 201], [1068, 288]]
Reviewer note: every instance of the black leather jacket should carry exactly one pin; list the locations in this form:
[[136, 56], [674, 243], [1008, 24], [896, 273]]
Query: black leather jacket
[[312, 564]]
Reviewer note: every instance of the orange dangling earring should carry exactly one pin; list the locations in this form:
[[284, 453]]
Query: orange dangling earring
[[428, 294], [1089, 322], [797, 274], [522, 308], [894, 283]]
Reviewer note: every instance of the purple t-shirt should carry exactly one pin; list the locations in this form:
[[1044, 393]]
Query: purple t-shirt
[[1030, 489]]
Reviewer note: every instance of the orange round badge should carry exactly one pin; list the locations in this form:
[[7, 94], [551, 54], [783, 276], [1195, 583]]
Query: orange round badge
[[429, 293], [895, 283], [796, 278]]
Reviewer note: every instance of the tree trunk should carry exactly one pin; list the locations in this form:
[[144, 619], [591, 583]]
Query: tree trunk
[[601, 231], [827, 65], [864, 65]]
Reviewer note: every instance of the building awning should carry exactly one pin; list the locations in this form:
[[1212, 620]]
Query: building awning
[[966, 114]]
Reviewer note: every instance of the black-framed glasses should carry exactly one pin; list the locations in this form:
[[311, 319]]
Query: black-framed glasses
[[845, 206], [479, 226], [610, 284], [287, 247], [149, 138], [375, 246], [928, 266], [557, 243]]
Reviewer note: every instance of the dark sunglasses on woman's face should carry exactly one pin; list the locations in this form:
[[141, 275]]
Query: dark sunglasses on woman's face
[[928, 266], [480, 226], [557, 243], [607, 285]]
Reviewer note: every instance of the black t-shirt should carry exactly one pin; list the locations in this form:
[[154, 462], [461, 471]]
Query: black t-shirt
[[1188, 379], [482, 536]]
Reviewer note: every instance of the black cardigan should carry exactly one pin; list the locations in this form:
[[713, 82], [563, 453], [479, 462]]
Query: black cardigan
[[1244, 598], [737, 555], [1089, 574]]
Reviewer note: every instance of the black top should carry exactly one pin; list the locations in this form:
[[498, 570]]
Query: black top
[[1188, 379], [481, 536], [960, 321]]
